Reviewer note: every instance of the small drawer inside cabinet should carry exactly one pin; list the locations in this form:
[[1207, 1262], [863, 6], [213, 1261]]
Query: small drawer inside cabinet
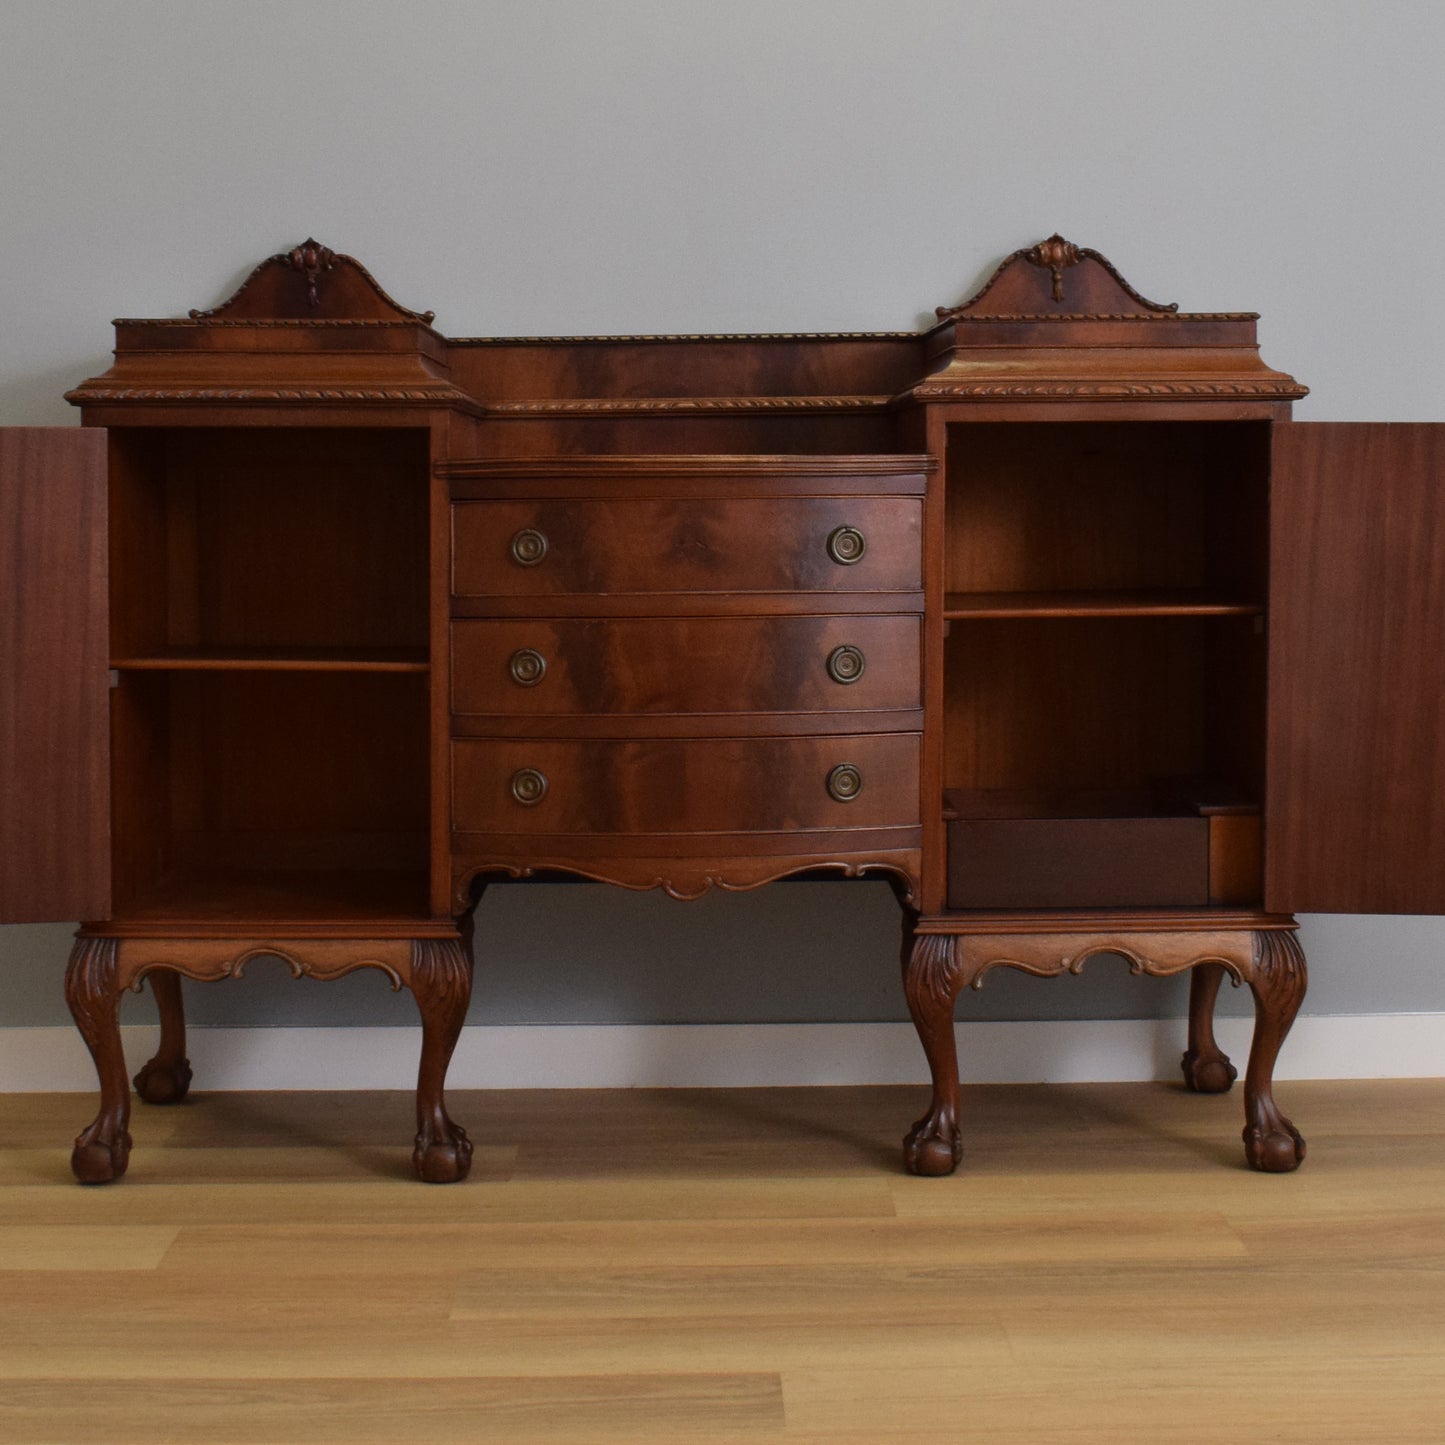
[[684, 785], [1178, 857], [708, 544], [685, 665]]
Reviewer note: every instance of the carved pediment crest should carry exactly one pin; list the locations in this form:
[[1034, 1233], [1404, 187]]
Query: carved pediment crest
[[310, 282], [1075, 281]]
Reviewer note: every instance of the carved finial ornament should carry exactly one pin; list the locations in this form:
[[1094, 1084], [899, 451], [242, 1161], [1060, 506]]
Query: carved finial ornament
[[312, 259], [1055, 256]]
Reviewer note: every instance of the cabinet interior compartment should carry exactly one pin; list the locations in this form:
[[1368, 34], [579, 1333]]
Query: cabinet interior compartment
[[1138, 740], [1107, 515], [1105, 665], [290, 545], [270, 794]]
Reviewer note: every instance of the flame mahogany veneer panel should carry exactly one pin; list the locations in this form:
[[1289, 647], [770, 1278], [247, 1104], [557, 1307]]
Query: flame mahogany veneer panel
[[684, 785], [694, 544], [1355, 816], [54, 752], [666, 666]]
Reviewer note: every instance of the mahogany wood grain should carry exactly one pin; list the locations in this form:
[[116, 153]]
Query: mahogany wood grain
[[54, 748], [1354, 821], [670, 666], [684, 785], [721, 545]]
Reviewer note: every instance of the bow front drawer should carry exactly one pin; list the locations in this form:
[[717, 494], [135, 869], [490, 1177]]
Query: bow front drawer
[[659, 666], [685, 785], [555, 546]]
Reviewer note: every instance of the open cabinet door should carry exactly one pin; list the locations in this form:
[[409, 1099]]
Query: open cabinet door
[[1355, 812], [54, 724]]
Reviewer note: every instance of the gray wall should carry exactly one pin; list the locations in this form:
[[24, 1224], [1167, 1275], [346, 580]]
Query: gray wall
[[670, 165]]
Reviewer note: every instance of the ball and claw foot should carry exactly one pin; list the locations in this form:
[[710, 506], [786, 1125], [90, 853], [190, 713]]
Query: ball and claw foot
[[98, 1160], [445, 1160], [1210, 1073], [159, 1083], [933, 1147], [1276, 1150]]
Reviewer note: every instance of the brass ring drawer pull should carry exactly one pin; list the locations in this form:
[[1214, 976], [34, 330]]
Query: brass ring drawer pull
[[846, 545], [845, 782], [529, 546], [527, 666], [846, 664], [529, 786]]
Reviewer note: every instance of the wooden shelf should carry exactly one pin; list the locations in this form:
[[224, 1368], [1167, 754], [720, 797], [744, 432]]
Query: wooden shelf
[[1179, 798], [960, 606], [277, 659]]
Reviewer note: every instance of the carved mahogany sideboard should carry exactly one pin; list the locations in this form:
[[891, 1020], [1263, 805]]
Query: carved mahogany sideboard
[[1049, 614]]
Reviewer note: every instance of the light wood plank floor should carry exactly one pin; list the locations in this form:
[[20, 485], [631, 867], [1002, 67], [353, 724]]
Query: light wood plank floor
[[729, 1265]]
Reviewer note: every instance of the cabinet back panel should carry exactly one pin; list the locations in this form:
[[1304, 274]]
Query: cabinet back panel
[[1065, 506], [220, 773], [278, 538], [1074, 704]]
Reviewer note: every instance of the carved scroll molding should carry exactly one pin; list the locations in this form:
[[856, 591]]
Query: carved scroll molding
[[686, 881], [209, 959], [1160, 955]]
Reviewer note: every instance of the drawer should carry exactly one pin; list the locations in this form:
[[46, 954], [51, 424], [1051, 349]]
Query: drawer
[[558, 546], [685, 785], [1078, 862], [655, 666]]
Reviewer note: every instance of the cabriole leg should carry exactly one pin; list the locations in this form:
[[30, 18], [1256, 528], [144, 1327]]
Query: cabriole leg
[[166, 1078], [441, 981], [1207, 1069], [102, 1150], [1271, 1142], [931, 981]]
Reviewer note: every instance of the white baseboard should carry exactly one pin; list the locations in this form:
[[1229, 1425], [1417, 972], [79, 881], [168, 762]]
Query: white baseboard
[[731, 1055]]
